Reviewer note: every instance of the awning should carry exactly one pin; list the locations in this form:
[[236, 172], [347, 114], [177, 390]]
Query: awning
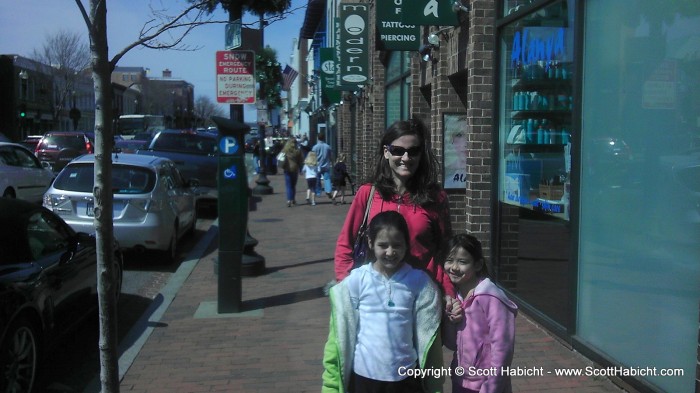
[[315, 10]]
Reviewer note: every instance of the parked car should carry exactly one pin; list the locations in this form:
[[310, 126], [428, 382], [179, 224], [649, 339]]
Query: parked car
[[58, 148], [153, 206], [48, 285], [21, 174], [250, 143], [194, 153], [31, 141], [139, 141]]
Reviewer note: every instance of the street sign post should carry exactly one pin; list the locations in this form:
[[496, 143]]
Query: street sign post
[[235, 77]]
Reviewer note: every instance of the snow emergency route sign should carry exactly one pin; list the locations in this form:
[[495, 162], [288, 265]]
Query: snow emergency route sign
[[235, 77]]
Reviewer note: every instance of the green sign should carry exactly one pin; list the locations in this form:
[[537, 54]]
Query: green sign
[[233, 35], [329, 94], [392, 34], [352, 49], [430, 13]]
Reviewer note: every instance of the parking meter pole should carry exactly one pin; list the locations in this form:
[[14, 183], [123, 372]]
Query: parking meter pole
[[233, 212]]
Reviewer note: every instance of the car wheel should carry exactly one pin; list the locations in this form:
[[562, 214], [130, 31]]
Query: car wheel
[[18, 358], [9, 193]]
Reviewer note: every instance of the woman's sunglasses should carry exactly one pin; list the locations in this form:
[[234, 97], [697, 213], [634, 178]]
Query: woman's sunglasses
[[399, 151]]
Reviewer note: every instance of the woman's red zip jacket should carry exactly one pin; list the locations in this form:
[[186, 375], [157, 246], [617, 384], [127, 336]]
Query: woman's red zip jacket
[[427, 226]]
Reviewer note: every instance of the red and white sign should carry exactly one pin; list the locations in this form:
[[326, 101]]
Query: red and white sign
[[235, 77]]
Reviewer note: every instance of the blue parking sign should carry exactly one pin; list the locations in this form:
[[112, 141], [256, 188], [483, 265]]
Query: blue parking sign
[[228, 145]]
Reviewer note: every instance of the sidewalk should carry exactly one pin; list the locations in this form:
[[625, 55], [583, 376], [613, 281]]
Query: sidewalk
[[276, 345]]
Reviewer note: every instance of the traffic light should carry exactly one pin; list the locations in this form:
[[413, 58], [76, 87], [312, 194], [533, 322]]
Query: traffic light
[[23, 110]]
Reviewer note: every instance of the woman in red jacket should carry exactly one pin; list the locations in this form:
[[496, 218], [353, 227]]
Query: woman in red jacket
[[405, 179]]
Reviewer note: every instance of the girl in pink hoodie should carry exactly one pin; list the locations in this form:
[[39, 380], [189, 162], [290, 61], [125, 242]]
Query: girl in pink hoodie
[[480, 325]]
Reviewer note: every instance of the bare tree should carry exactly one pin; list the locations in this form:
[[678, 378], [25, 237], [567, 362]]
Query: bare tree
[[204, 109], [163, 31], [68, 55]]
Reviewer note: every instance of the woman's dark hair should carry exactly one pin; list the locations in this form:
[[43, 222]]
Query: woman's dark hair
[[423, 183], [470, 244], [389, 219]]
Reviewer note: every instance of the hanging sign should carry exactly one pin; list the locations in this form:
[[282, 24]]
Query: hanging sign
[[392, 34], [328, 65], [353, 47], [429, 13]]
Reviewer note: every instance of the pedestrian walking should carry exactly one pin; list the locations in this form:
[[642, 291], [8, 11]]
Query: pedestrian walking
[[480, 328], [385, 320], [324, 156], [340, 174], [406, 180], [310, 171], [291, 165], [256, 156]]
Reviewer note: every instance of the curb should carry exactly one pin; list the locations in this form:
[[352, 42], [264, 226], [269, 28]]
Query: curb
[[134, 341]]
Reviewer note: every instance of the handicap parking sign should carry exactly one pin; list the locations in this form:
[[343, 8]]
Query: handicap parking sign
[[231, 173]]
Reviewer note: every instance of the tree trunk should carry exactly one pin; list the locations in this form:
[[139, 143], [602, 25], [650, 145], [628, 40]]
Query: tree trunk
[[101, 72]]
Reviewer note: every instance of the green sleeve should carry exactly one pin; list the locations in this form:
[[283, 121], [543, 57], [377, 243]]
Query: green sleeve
[[434, 361], [332, 373]]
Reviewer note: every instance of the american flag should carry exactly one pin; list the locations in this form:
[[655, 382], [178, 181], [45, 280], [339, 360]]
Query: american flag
[[288, 76]]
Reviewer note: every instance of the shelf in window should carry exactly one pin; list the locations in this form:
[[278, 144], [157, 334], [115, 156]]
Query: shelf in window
[[521, 83], [540, 113]]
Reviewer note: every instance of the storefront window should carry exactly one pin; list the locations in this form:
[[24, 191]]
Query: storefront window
[[398, 83], [535, 129], [640, 185]]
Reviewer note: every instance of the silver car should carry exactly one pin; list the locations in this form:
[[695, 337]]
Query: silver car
[[21, 174], [153, 205]]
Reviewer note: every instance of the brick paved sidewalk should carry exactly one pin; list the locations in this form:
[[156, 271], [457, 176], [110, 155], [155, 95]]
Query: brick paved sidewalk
[[276, 345]]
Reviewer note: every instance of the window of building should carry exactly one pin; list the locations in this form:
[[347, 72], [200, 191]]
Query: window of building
[[535, 128], [640, 185], [398, 87]]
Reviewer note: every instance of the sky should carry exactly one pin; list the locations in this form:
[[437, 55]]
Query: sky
[[25, 27]]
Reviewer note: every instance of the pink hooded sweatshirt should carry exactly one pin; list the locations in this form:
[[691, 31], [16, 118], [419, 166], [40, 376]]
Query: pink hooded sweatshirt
[[483, 339]]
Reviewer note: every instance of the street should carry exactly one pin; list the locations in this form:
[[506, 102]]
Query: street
[[74, 363]]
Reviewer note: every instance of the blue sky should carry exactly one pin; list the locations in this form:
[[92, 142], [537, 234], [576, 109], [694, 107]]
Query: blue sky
[[22, 31]]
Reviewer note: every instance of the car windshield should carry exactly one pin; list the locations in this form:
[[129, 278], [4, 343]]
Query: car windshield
[[186, 143], [126, 179], [63, 141]]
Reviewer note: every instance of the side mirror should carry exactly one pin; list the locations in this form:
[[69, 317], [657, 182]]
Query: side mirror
[[46, 165], [193, 183]]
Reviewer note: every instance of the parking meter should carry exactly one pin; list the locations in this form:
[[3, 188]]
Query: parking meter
[[233, 212]]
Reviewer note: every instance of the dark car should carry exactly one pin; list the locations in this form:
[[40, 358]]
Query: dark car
[[250, 143], [131, 145], [48, 285], [195, 155], [58, 148], [31, 141]]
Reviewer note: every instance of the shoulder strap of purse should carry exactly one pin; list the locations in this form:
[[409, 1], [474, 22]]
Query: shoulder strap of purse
[[369, 205]]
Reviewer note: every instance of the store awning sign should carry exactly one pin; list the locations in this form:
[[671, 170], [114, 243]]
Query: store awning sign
[[392, 33], [429, 13], [353, 47]]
